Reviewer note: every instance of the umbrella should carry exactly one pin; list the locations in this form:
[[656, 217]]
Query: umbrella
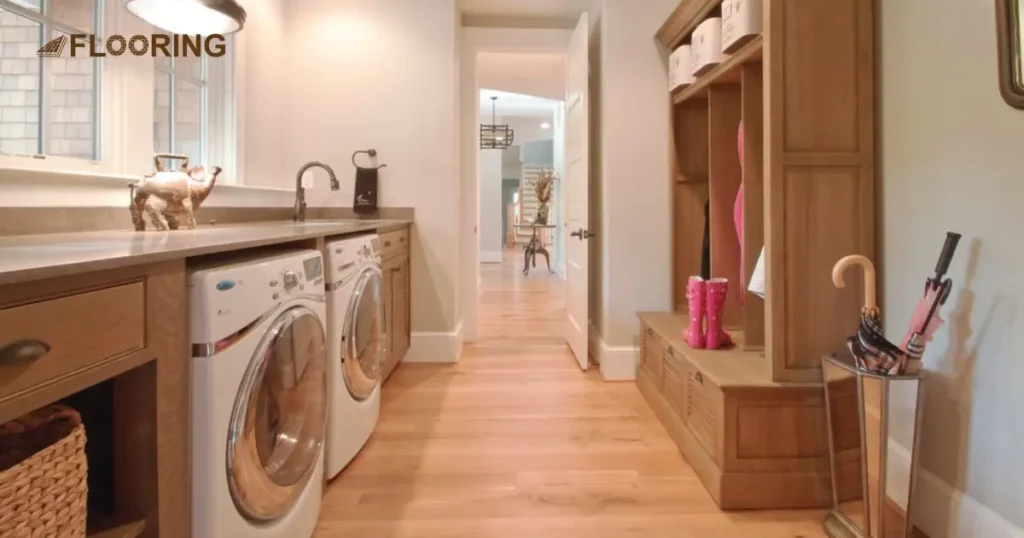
[[872, 351], [926, 320]]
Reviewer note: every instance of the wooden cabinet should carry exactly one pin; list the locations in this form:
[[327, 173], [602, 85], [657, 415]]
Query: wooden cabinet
[[750, 419], [754, 443], [802, 96], [112, 345], [396, 273]]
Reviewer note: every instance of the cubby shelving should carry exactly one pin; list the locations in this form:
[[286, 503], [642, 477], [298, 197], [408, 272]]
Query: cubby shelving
[[750, 419]]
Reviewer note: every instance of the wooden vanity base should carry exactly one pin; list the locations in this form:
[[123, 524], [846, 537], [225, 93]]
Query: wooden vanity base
[[123, 329], [754, 443]]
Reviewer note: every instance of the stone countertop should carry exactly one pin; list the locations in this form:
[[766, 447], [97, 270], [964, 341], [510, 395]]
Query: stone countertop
[[35, 257]]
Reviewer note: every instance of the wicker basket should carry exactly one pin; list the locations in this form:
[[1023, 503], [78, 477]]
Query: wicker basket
[[43, 475]]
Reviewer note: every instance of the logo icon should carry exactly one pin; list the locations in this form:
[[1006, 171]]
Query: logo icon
[[54, 48]]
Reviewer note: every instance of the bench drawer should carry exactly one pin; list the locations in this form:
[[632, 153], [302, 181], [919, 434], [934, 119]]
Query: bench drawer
[[49, 339]]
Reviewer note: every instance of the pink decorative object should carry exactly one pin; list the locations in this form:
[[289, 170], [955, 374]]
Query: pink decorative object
[[695, 293], [918, 319], [737, 214], [716, 290]]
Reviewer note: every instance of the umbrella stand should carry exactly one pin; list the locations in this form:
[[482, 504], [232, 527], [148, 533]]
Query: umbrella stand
[[871, 350]]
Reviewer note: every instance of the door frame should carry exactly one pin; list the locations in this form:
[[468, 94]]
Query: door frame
[[475, 40]]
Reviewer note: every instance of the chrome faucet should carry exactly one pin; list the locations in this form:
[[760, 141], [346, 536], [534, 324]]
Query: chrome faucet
[[299, 214]]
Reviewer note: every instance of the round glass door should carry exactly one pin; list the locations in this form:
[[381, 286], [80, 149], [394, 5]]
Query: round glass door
[[364, 339], [277, 425]]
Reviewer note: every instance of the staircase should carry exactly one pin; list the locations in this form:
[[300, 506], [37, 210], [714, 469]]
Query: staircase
[[528, 209]]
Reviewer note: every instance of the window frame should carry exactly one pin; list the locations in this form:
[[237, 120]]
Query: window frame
[[219, 105], [103, 98], [126, 107]]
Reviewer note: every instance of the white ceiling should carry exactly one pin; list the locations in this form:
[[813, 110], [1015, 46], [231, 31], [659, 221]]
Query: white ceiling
[[513, 104], [539, 74], [526, 8]]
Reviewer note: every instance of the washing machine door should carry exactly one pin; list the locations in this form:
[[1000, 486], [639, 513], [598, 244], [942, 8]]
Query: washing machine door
[[279, 417], [364, 338]]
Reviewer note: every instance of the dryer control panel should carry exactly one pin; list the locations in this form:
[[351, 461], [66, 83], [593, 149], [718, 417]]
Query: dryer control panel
[[347, 257]]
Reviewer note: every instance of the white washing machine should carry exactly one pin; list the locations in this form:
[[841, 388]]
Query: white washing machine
[[259, 395], [356, 346]]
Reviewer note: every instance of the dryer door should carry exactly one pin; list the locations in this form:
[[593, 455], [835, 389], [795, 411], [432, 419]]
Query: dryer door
[[280, 412], [364, 339]]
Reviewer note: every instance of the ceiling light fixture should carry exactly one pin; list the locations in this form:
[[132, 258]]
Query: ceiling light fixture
[[545, 125], [495, 136], [192, 17]]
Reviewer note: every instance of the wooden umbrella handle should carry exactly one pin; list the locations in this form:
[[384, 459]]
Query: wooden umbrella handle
[[870, 302]]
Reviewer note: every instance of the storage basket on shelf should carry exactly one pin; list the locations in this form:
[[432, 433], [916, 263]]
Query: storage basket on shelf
[[43, 472]]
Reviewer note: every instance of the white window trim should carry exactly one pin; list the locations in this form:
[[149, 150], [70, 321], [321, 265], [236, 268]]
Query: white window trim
[[126, 113]]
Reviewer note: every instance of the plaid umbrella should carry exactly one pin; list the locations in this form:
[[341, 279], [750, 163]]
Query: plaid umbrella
[[872, 351]]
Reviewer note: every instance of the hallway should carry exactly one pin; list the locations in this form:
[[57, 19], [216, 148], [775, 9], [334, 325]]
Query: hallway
[[514, 441]]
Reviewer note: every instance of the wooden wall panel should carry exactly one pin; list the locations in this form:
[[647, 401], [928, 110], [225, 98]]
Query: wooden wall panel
[[822, 216], [819, 175], [752, 83], [820, 76], [724, 112], [687, 236], [691, 141]]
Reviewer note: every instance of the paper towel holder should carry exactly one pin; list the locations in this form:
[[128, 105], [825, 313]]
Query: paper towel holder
[[369, 152]]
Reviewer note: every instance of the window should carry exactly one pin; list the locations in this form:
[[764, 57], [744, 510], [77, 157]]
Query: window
[[193, 108], [48, 106]]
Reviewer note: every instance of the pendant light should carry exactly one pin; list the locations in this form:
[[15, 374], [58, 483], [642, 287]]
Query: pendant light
[[495, 136], [191, 17]]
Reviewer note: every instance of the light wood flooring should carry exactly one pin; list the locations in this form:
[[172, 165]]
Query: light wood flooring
[[515, 441]]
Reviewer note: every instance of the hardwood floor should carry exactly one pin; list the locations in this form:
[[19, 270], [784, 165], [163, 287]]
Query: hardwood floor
[[515, 441]]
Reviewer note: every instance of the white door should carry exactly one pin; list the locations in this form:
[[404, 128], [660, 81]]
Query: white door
[[577, 184]]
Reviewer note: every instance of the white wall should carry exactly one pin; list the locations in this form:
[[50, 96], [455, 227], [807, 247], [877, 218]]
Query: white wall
[[527, 129], [531, 73], [491, 212], [634, 219], [265, 54], [951, 160], [350, 67]]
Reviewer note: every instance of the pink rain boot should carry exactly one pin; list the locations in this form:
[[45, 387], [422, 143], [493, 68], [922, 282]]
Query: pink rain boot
[[695, 291], [715, 300]]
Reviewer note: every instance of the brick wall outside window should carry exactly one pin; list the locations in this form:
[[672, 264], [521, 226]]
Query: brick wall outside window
[[70, 127]]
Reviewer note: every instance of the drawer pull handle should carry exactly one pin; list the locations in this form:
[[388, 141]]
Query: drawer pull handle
[[23, 351], [698, 378], [387, 244], [401, 239]]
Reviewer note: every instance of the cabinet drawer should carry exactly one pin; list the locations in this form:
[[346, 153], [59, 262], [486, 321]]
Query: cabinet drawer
[[394, 243], [653, 356], [704, 409], [673, 384], [79, 330]]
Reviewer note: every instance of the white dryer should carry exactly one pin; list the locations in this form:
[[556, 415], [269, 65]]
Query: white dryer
[[259, 395], [356, 346]]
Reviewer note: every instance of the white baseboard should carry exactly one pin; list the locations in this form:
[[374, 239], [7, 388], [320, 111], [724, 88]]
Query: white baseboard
[[491, 257], [618, 363], [443, 347], [942, 511]]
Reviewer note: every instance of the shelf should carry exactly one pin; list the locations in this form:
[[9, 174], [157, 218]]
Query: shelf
[[683, 20], [727, 368], [727, 72]]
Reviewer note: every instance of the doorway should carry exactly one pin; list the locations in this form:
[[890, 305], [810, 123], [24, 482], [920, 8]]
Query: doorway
[[518, 182], [529, 72]]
